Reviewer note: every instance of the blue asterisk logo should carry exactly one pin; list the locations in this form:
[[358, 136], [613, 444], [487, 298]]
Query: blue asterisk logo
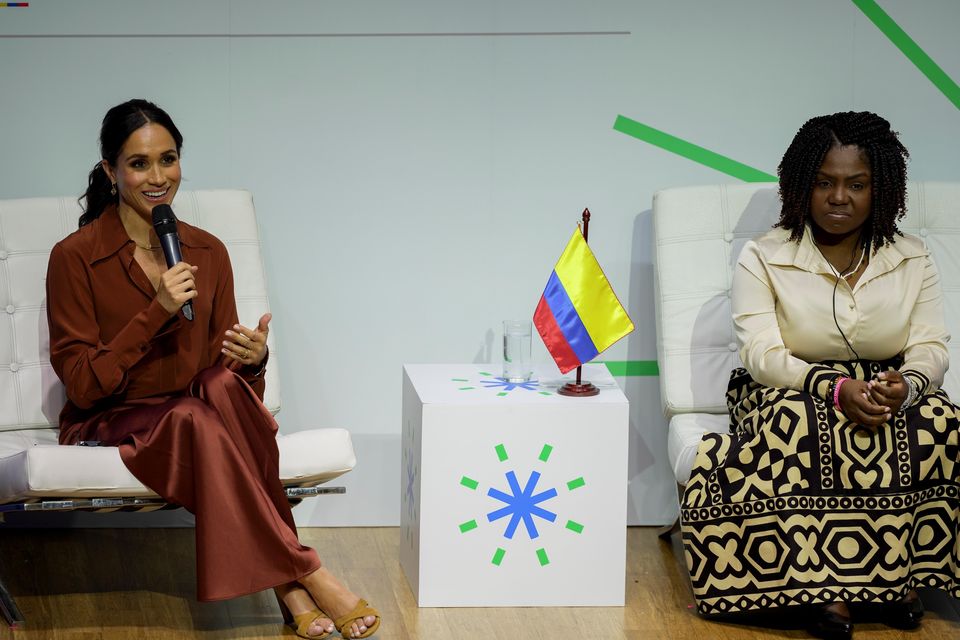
[[410, 472], [500, 385], [522, 505], [529, 385], [411, 478]]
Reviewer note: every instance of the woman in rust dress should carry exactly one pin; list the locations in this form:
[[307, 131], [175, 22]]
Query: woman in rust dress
[[181, 399]]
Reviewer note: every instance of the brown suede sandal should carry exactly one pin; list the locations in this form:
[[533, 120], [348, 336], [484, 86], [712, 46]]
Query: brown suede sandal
[[301, 623], [362, 610]]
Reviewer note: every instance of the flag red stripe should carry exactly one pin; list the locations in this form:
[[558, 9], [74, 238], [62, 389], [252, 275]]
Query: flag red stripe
[[553, 338]]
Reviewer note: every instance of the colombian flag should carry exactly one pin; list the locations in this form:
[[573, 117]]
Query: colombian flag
[[579, 315]]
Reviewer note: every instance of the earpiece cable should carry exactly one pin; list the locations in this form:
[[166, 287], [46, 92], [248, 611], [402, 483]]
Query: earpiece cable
[[837, 284]]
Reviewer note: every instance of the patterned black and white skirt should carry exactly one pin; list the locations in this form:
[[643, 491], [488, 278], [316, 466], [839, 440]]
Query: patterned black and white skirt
[[799, 506]]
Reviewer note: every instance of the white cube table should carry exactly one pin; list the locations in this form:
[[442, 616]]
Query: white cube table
[[512, 495]]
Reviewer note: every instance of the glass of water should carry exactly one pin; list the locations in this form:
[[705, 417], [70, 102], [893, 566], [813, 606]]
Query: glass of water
[[516, 351]]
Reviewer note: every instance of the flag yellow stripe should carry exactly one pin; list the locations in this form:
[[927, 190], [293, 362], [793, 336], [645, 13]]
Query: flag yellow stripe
[[588, 289]]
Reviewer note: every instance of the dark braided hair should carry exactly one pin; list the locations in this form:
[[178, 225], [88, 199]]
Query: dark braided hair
[[885, 154], [120, 121]]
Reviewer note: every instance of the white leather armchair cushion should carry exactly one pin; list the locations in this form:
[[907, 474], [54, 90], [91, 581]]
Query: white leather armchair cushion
[[699, 232], [686, 430], [698, 235], [31, 395], [33, 465]]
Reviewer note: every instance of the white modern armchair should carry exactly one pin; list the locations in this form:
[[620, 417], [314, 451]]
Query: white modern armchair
[[36, 473], [698, 235]]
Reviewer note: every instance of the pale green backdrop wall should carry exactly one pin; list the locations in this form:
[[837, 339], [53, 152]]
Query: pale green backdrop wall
[[418, 166]]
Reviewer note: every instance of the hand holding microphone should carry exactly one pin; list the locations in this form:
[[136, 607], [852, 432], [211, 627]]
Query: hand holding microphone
[[177, 286]]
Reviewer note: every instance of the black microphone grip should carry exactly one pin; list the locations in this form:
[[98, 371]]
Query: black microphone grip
[[165, 224]]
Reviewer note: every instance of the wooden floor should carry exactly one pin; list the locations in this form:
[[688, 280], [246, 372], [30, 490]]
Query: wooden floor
[[139, 583]]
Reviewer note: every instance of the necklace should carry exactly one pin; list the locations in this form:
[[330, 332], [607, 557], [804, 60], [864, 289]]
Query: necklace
[[846, 275], [863, 252], [836, 272], [147, 247]]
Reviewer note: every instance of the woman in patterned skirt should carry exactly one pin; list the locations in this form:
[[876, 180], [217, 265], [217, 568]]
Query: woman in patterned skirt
[[839, 480]]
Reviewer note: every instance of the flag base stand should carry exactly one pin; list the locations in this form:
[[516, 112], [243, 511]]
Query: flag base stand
[[578, 390]]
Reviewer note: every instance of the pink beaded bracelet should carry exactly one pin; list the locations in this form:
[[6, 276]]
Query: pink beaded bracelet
[[836, 393]]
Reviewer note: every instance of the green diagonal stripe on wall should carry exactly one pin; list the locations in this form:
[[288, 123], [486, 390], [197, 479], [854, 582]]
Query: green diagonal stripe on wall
[[691, 151], [629, 368], [911, 49]]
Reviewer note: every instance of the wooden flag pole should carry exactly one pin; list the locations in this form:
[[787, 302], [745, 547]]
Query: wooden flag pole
[[578, 389]]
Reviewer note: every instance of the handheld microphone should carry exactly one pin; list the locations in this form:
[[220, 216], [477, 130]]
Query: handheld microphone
[[165, 224]]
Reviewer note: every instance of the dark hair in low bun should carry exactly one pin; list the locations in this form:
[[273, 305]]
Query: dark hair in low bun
[[120, 121]]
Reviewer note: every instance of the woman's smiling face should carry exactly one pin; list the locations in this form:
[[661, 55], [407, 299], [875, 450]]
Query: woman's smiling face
[[147, 172]]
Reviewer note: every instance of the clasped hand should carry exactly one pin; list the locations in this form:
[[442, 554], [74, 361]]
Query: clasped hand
[[873, 403]]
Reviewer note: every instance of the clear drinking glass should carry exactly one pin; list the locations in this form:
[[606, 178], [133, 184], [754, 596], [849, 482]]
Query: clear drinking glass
[[516, 351]]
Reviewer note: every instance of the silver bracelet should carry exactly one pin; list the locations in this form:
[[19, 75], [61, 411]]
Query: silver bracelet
[[912, 393]]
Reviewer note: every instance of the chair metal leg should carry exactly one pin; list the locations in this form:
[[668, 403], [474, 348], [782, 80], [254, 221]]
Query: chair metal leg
[[666, 531], [9, 609]]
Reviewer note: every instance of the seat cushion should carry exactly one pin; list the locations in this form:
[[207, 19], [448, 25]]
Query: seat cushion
[[686, 430], [33, 465]]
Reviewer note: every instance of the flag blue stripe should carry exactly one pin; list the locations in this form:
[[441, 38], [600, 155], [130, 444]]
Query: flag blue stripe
[[568, 320]]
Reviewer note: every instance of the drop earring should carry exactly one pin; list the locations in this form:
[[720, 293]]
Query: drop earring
[[113, 189]]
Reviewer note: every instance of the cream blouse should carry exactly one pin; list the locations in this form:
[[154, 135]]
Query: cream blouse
[[783, 311]]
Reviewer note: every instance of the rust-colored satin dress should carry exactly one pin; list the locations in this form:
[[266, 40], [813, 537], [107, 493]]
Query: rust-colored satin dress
[[189, 427]]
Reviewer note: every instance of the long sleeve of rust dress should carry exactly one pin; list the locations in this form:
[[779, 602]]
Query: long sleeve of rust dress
[[188, 426]]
